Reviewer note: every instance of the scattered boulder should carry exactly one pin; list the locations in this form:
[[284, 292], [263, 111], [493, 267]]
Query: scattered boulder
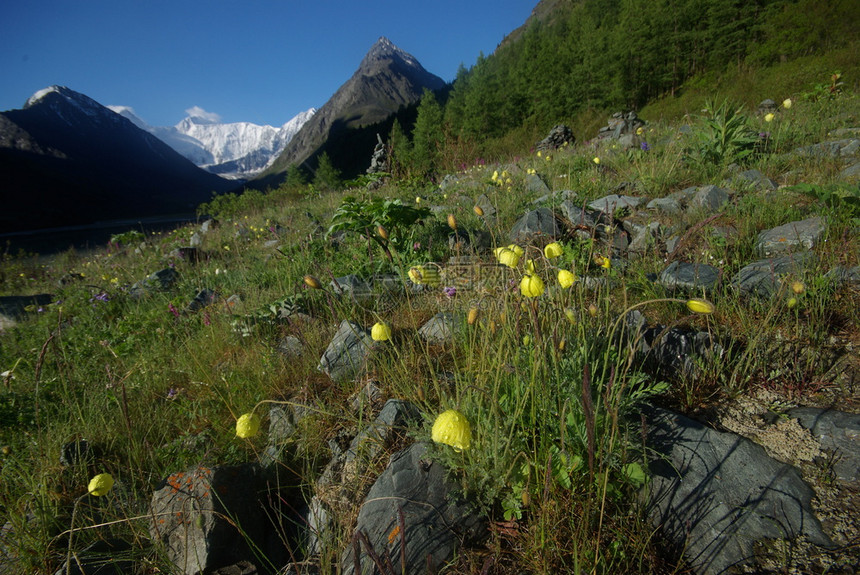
[[196, 516], [439, 328], [710, 198], [379, 159], [716, 495], [161, 280], [351, 285], [619, 124], [204, 298], [764, 277], [609, 204], [536, 223], [757, 179], [535, 185], [559, 136], [668, 205], [791, 237], [346, 355], [676, 352], [689, 276], [412, 518]]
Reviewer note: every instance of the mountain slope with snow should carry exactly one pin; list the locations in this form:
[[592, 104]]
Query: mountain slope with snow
[[235, 150]]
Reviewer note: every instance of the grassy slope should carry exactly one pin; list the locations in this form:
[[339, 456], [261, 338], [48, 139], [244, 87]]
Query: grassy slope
[[159, 390]]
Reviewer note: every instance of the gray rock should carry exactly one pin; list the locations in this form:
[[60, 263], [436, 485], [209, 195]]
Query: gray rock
[[756, 178], [791, 237], [710, 198], [208, 225], [763, 277], [536, 223], [434, 520], [161, 280], [836, 431], [689, 276], [667, 205], [558, 137], [620, 124], [535, 185], [351, 285], [195, 515], [715, 494], [196, 240], [580, 216], [204, 298], [642, 237], [290, 347], [851, 172], [609, 204], [488, 208], [346, 355], [766, 106], [439, 328], [675, 352]]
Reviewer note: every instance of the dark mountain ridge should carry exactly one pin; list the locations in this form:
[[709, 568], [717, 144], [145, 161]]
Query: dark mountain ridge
[[387, 79], [65, 160]]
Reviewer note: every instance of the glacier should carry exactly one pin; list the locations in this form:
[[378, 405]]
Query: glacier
[[236, 150]]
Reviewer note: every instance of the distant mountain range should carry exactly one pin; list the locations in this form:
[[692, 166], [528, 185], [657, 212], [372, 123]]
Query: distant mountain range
[[65, 160], [237, 150], [387, 79]]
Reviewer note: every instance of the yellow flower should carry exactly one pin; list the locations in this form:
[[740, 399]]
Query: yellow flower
[[495, 175], [701, 306], [553, 250], [603, 262], [538, 154], [226, 248], [478, 211], [452, 222], [100, 484], [530, 267], [516, 249], [531, 286], [791, 303], [596, 160], [639, 131], [508, 257], [417, 199], [424, 275], [768, 117], [798, 287], [310, 281], [452, 428], [248, 425], [380, 332], [566, 278], [786, 103]]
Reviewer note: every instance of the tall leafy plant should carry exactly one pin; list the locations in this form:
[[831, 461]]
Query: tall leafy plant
[[724, 135]]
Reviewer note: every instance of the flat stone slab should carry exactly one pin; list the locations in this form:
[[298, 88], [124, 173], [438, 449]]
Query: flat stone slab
[[791, 237], [715, 494], [439, 328], [764, 277], [690, 276], [434, 519], [711, 198]]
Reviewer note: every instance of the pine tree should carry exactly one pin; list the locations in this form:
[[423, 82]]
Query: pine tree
[[428, 135], [327, 177]]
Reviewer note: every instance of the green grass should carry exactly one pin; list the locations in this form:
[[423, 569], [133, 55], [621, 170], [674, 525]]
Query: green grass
[[553, 458]]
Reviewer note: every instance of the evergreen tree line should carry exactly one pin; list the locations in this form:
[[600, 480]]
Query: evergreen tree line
[[608, 54]]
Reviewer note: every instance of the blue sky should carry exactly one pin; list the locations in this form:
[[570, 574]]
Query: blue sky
[[261, 61]]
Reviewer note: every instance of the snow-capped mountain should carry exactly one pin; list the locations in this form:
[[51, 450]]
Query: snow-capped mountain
[[236, 150]]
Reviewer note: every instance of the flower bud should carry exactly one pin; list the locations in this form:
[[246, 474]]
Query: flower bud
[[380, 332], [566, 278], [700, 306], [479, 211], [531, 286], [383, 233], [312, 282], [473, 316], [452, 222], [248, 425], [553, 250], [100, 484]]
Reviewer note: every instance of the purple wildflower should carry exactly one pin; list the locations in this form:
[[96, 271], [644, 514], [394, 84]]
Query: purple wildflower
[[172, 309], [645, 147], [172, 393], [450, 291]]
